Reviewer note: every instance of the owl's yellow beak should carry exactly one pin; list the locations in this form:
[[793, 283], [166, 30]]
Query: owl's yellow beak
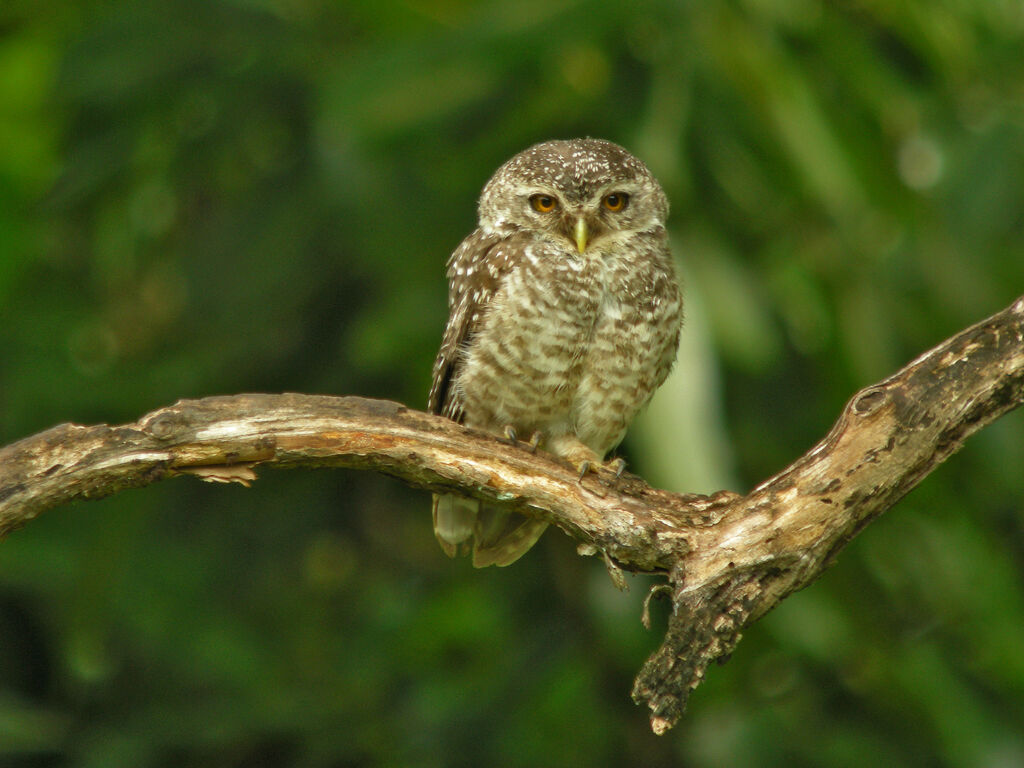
[[581, 234]]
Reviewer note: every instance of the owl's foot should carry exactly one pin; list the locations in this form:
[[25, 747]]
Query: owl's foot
[[580, 455], [616, 466], [512, 438]]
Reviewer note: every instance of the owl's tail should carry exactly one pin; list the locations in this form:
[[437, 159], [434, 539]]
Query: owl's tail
[[495, 536]]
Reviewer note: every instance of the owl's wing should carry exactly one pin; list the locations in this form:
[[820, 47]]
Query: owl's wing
[[475, 273]]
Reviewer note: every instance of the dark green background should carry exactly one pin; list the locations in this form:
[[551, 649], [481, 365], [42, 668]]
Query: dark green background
[[201, 197]]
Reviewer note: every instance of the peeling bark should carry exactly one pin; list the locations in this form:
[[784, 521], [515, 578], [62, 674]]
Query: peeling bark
[[729, 558]]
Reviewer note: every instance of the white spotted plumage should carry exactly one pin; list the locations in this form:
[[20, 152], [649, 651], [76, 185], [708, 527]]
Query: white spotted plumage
[[549, 336]]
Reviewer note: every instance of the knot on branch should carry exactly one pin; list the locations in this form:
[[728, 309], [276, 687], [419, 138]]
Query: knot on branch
[[869, 400]]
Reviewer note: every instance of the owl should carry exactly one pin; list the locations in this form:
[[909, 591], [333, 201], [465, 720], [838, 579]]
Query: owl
[[564, 317]]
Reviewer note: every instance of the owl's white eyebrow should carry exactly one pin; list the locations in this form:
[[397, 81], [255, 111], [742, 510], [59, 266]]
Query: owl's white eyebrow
[[535, 189], [627, 187]]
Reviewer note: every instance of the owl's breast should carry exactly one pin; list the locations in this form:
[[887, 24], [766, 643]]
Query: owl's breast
[[633, 344], [573, 344], [523, 365]]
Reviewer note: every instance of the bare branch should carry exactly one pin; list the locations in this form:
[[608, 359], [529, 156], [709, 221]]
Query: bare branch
[[729, 558]]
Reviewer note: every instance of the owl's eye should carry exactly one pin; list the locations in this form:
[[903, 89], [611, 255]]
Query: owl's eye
[[616, 201], [543, 203]]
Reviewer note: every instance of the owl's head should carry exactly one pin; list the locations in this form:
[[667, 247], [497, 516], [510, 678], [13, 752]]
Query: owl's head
[[580, 190]]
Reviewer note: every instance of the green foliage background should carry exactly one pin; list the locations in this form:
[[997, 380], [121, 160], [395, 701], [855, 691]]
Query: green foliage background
[[217, 196]]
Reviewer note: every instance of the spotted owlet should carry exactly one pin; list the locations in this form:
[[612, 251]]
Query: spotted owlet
[[564, 317]]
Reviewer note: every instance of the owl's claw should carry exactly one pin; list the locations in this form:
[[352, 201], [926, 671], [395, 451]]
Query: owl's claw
[[583, 468], [535, 439], [616, 466], [510, 435]]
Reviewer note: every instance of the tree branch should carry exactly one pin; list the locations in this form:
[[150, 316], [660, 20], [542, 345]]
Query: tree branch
[[729, 558]]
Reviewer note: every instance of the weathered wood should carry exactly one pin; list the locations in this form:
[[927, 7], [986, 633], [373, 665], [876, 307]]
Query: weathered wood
[[729, 558]]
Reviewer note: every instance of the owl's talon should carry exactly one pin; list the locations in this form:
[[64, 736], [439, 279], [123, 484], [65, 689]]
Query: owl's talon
[[583, 468], [535, 439], [511, 436], [616, 466]]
